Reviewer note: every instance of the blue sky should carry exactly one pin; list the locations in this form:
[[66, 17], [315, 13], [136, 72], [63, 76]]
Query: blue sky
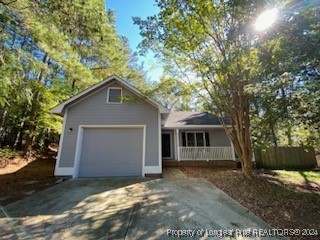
[[124, 11]]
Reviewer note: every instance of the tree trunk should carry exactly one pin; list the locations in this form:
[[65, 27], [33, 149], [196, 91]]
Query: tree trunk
[[289, 135], [73, 86], [31, 124], [33, 112], [240, 135], [18, 136], [245, 142], [247, 168], [2, 121], [274, 137]]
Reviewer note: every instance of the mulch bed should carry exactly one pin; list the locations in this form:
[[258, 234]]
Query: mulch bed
[[281, 205]]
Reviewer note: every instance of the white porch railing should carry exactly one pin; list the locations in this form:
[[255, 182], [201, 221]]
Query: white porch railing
[[205, 153]]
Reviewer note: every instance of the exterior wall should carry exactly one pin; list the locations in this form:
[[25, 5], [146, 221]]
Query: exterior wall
[[217, 136], [94, 110]]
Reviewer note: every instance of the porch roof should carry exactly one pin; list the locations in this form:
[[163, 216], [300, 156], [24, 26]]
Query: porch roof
[[188, 119]]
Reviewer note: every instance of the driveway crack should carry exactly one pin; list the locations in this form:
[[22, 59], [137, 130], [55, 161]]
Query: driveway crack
[[130, 220]]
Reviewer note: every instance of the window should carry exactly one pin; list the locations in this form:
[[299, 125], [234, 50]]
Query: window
[[195, 139], [114, 95]]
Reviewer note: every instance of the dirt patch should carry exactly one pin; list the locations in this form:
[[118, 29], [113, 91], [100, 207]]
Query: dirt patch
[[280, 204], [21, 177]]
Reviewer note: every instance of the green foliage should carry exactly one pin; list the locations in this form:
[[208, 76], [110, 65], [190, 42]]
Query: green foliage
[[49, 51], [261, 81], [212, 47], [172, 93], [206, 44], [7, 153], [286, 106]]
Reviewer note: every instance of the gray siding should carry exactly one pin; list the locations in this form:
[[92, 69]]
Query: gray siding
[[94, 110], [218, 137]]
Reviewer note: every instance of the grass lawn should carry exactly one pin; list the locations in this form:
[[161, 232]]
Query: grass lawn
[[298, 176], [284, 199]]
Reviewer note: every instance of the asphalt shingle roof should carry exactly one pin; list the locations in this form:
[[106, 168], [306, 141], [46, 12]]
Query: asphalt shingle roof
[[181, 118]]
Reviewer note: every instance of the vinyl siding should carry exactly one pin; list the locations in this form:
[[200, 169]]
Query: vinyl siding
[[94, 110], [218, 137]]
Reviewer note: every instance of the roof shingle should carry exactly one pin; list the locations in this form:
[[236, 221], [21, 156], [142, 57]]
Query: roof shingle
[[182, 118]]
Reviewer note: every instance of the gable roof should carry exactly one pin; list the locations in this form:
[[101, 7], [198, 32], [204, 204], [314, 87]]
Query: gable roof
[[183, 119], [59, 109]]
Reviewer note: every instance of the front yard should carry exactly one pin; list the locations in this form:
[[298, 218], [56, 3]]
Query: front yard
[[284, 199], [20, 177]]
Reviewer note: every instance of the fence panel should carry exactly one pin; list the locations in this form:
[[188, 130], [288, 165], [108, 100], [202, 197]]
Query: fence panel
[[286, 158]]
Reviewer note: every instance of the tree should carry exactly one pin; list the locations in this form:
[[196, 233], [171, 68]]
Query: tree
[[49, 51], [286, 101], [239, 73], [211, 46], [171, 93]]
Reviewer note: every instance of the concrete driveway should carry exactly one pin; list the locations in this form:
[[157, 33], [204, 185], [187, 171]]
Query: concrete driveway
[[125, 208]]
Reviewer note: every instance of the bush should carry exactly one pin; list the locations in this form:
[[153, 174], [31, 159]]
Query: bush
[[7, 153]]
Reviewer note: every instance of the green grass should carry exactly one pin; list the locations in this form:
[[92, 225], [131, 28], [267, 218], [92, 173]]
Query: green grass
[[298, 175]]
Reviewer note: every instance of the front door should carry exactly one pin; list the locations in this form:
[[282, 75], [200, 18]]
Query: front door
[[166, 145]]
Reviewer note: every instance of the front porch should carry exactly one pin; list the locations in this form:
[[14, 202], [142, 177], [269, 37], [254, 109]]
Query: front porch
[[205, 153], [196, 144]]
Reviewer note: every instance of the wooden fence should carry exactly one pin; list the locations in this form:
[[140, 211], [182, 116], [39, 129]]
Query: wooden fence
[[286, 158]]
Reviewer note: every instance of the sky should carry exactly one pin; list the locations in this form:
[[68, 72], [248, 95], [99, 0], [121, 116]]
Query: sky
[[124, 11]]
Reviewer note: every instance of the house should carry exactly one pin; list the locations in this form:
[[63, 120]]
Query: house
[[112, 129]]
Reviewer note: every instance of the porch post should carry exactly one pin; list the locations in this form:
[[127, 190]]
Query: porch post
[[177, 141], [233, 154]]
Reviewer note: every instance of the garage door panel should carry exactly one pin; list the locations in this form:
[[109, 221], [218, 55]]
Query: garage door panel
[[119, 154], [96, 138], [111, 152], [98, 156], [114, 172]]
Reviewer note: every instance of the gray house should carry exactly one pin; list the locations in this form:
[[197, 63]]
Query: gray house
[[111, 129]]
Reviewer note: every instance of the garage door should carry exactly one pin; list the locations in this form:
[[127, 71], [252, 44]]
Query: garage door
[[109, 152]]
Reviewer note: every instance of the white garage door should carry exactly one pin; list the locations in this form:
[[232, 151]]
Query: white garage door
[[109, 152]]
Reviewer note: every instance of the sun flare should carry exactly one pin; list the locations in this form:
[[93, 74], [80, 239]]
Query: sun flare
[[266, 19]]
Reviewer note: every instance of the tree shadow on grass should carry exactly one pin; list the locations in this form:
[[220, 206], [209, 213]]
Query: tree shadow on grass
[[305, 186], [312, 186]]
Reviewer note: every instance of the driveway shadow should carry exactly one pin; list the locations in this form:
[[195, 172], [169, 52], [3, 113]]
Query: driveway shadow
[[82, 209], [123, 208]]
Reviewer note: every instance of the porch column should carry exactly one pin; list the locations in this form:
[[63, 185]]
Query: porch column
[[177, 142], [233, 154]]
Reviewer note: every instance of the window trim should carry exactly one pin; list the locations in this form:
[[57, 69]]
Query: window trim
[[108, 95], [195, 138]]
